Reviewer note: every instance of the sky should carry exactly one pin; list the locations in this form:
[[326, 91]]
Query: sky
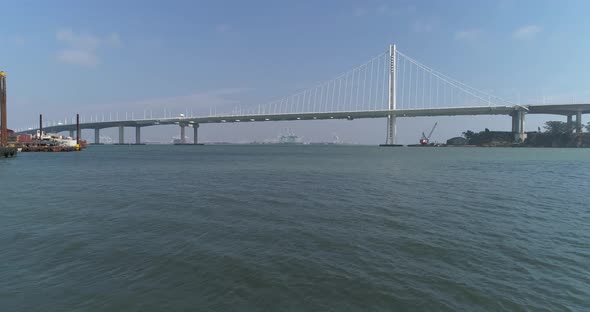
[[109, 57]]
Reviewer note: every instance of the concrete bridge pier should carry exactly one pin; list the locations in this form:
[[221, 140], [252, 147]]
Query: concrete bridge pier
[[569, 123], [97, 136], [71, 133], [138, 135], [196, 133], [391, 130], [182, 134], [518, 125], [579, 122], [121, 135]]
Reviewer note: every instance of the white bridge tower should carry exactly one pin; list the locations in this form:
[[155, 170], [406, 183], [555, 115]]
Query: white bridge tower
[[391, 119]]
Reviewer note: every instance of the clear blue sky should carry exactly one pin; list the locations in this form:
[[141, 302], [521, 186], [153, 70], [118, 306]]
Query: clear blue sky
[[64, 57]]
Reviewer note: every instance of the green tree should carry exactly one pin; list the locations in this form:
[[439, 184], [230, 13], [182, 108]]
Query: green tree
[[556, 127], [468, 134]]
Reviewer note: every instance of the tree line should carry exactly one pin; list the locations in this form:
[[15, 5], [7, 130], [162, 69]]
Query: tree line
[[554, 134], [560, 127]]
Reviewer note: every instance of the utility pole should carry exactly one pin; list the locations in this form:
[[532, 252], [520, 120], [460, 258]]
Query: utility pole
[[78, 131]]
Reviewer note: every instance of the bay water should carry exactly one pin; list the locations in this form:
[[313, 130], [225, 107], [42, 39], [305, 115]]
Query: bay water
[[295, 228]]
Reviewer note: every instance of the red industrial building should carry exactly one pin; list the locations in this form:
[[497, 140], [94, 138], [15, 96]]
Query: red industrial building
[[18, 138], [10, 132]]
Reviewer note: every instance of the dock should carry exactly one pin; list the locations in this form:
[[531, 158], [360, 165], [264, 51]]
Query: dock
[[49, 148], [7, 152]]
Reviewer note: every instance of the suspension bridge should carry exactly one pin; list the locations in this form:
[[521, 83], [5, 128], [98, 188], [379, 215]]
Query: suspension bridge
[[390, 85]]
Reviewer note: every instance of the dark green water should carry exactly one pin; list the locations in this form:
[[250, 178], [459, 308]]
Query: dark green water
[[295, 228]]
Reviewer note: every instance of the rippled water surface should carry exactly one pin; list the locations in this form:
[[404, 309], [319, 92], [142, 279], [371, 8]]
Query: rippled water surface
[[295, 228]]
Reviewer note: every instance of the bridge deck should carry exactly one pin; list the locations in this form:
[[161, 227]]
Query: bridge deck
[[462, 111], [561, 109], [567, 109]]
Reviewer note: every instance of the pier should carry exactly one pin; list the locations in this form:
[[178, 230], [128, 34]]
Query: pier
[[7, 152]]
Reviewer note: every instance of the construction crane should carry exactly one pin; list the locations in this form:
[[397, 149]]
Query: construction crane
[[425, 139]]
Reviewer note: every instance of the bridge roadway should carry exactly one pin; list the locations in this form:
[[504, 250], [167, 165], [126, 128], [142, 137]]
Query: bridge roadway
[[517, 112]]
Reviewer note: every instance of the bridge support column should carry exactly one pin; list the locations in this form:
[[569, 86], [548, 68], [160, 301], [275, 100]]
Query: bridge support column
[[96, 136], [392, 95], [137, 135], [518, 126], [71, 133], [182, 134], [569, 123], [579, 122], [196, 133], [121, 135], [391, 129]]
